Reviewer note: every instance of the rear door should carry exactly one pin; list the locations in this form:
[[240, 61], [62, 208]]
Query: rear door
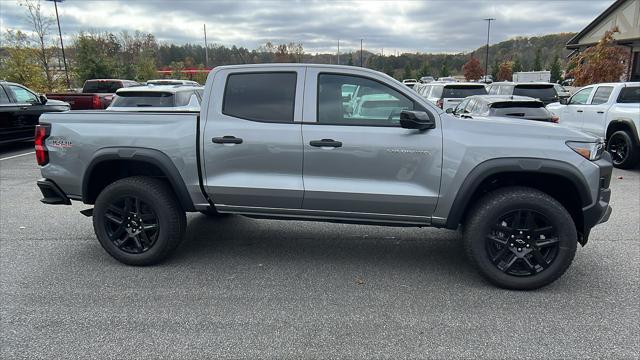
[[252, 140], [594, 116], [9, 112], [364, 165]]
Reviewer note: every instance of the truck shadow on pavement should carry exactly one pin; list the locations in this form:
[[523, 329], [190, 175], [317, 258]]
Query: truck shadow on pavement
[[238, 239]]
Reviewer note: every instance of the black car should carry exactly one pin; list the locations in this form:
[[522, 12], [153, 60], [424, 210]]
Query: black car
[[20, 109], [522, 107]]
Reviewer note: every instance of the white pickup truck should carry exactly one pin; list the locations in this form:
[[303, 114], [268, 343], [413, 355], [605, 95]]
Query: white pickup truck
[[610, 111]]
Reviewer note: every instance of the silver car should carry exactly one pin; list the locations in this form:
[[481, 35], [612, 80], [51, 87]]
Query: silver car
[[522, 107]]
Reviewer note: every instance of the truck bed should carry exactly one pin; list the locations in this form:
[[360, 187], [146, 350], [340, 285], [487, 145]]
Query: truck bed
[[77, 137]]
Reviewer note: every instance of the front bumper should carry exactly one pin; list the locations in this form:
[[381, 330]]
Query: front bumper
[[53, 195], [600, 210]]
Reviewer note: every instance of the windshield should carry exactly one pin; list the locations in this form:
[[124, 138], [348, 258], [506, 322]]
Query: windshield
[[143, 99], [101, 86], [462, 91], [543, 92]]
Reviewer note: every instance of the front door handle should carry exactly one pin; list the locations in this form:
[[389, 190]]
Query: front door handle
[[326, 143], [24, 107], [600, 112], [578, 110], [227, 140]]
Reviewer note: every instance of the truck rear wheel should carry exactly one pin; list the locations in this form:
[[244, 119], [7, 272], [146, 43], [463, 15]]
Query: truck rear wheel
[[624, 153], [138, 220], [520, 238]]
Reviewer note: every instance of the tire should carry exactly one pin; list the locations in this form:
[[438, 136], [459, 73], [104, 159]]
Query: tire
[[495, 238], [623, 150], [138, 220]]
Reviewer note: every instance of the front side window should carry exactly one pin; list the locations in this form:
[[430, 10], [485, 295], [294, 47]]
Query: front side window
[[268, 96], [23, 95], [581, 97], [460, 108], [374, 103]]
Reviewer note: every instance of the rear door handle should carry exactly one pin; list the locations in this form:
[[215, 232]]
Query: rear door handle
[[326, 143], [600, 112], [24, 107], [578, 110], [227, 140]]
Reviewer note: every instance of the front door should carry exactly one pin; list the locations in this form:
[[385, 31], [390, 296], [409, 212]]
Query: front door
[[573, 113], [359, 162], [595, 115], [252, 141]]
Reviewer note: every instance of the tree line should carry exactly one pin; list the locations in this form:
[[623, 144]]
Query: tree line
[[35, 60]]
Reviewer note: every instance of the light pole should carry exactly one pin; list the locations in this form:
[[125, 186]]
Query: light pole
[[206, 48], [486, 60], [64, 58], [361, 63]]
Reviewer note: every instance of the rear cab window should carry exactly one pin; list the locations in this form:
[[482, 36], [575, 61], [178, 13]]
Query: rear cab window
[[102, 86], [263, 96]]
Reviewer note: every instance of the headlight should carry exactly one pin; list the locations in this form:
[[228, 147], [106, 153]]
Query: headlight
[[589, 150]]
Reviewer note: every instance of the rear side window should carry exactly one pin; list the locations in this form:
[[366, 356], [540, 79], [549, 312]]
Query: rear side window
[[461, 91], [144, 99], [266, 97], [602, 95], [630, 94], [102, 87]]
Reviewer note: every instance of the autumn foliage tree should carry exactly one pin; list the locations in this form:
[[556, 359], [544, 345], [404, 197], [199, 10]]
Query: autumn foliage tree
[[472, 69], [603, 62], [505, 72]]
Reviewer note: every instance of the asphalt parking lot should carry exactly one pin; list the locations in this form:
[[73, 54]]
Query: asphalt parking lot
[[245, 288]]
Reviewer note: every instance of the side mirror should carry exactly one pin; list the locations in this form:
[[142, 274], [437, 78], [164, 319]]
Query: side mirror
[[564, 101], [416, 120], [43, 99], [450, 111]]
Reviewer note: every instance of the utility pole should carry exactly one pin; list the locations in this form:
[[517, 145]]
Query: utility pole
[[486, 60], [361, 63], [206, 48], [64, 58], [338, 63]]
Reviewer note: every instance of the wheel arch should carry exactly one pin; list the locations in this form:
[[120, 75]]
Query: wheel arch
[[623, 124], [559, 179], [111, 164]]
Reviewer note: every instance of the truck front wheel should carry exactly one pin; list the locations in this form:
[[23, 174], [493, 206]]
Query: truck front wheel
[[520, 238], [138, 220]]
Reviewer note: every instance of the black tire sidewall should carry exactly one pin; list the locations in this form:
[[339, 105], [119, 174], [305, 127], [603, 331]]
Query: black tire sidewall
[[632, 155], [489, 215], [166, 220]]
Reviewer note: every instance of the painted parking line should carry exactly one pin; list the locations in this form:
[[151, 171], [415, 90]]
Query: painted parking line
[[15, 156]]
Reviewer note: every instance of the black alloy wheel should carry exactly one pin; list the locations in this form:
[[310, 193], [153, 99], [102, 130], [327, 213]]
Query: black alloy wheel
[[619, 147], [131, 225], [522, 243]]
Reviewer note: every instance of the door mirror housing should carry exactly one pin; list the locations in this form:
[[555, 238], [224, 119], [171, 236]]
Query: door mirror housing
[[450, 111], [417, 120], [564, 100], [43, 99]]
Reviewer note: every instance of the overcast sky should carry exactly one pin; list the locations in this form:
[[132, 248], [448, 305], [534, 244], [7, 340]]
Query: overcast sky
[[424, 26]]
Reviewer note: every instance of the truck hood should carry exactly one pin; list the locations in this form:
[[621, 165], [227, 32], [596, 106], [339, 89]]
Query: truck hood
[[514, 128]]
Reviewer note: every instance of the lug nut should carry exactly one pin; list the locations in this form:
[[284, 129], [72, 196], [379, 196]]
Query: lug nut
[[511, 244], [528, 245], [520, 232], [528, 237], [512, 236], [519, 249]]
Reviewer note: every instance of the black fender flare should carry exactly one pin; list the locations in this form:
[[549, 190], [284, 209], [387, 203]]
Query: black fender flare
[[151, 156], [510, 165]]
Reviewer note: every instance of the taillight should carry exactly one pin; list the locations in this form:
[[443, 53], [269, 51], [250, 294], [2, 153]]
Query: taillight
[[555, 119], [95, 102], [42, 154], [439, 103]]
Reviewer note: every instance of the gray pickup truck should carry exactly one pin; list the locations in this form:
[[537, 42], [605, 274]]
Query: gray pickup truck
[[290, 141]]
